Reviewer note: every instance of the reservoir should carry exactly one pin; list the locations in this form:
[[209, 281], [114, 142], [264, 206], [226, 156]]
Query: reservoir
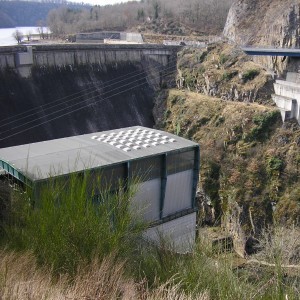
[[6, 34]]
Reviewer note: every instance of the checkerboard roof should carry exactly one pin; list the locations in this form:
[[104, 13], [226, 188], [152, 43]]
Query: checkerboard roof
[[41, 160]]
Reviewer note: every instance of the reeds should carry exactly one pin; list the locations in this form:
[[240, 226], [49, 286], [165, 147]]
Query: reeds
[[69, 224], [22, 278]]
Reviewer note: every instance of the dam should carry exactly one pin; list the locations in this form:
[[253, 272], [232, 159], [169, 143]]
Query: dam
[[55, 91]]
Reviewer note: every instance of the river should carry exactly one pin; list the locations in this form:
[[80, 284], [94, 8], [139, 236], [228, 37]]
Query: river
[[6, 34]]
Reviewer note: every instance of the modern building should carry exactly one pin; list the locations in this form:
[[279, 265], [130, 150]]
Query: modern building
[[166, 165]]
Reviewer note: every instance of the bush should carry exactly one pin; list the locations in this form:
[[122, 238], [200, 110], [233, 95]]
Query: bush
[[263, 126], [274, 165], [228, 75], [250, 75], [223, 58], [68, 227]]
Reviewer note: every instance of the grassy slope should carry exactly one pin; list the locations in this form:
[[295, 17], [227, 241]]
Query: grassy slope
[[224, 71], [246, 153]]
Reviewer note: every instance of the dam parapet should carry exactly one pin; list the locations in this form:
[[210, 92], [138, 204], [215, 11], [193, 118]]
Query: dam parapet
[[22, 58]]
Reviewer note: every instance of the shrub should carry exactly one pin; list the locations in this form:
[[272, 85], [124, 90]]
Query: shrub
[[228, 75], [223, 58], [70, 225], [274, 165], [250, 75], [263, 126]]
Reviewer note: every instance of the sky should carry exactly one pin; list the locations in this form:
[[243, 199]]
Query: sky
[[99, 2]]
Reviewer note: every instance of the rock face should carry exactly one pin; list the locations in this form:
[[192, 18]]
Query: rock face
[[265, 23], [225, 72]]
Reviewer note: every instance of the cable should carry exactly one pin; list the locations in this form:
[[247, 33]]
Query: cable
[[60, 99], [62, 109], [14, 134], [93, 89], [47, 121]]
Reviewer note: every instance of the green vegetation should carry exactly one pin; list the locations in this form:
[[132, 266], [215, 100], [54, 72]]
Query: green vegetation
[[274, 164], [69, 244], [250, 74], [223, 58], [246, 156], [263, 126], [73, 228]]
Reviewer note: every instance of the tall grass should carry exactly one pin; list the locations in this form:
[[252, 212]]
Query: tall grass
[[74, 245], [22, 278], [68, 224], [196, 272]]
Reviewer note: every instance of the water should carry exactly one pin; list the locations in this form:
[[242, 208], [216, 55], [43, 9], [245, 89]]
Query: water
[[6, 34]]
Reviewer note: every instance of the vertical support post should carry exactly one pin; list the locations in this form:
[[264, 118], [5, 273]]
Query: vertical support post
[[195, 174], [164, 178]]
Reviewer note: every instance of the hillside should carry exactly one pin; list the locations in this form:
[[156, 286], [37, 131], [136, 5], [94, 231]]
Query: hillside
[[224, 71], [152, 16], [248, 156], [26, 13]]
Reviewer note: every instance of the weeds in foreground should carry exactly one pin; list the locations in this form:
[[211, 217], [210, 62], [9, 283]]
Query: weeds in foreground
[[22, 278], [72, 223], [71, 245]]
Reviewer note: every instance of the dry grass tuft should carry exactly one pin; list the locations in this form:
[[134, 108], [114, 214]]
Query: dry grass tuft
[[102, 280], [171, 291], [21, 278]]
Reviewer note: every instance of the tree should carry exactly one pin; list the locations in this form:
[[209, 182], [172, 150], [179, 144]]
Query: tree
[[28, 35], [141, 15], [18, 36], [40, 29], [156, 9]]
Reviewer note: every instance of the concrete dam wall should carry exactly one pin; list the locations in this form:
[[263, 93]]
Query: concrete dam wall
[[49, 92]]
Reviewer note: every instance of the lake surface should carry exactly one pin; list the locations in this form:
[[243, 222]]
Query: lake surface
[[6, 34]]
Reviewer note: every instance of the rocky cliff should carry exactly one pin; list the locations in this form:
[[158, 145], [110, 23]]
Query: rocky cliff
[[265, 23], [224, 71]]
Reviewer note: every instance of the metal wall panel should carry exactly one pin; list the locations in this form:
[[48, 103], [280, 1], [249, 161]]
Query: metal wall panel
[[178, 235], [180, 161], [178, 192], [146, 201], [146, 169]]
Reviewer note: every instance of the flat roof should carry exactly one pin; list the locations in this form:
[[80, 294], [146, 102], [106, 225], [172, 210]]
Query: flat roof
[[38, 161]]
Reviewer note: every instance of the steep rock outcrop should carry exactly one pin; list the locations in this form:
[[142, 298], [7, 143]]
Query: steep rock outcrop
[[223, 71], [265, 23]]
